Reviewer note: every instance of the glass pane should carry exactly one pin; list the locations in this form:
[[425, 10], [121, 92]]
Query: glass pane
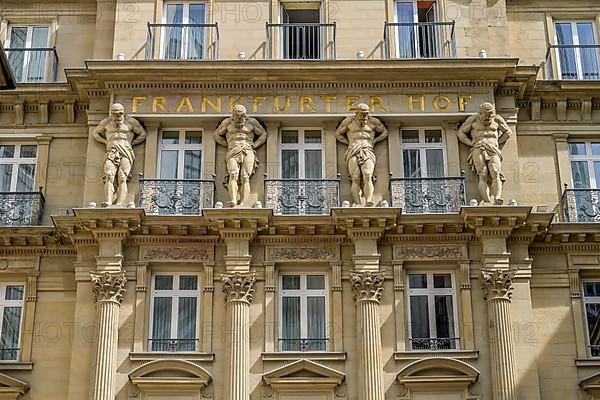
[[435, 163], [5, 177], [290, 324], [191, 164], [163, 282], [290, 164], [196, 15], [161, 324], [419, 318], [290, 282], [581, 177], [173, 35], [312, 136], [405, 12], [7, 151], [14, 293], [432, 136], [412, 163], [417, 281], [11, 326], [289, 136], [410, 136], [588, 55], [444, 317], [597, 172], [170, 137], [564, 36], [186, 324], [315, 282], [591, 289], [18, 39], [195, 34], [577, 149], [36, 71], [193, 137], [28, 151], [596, 149], [168, 164], [316, 323], [188, 282], [313, 164], [592, 311], [442, 281], [26, 177]]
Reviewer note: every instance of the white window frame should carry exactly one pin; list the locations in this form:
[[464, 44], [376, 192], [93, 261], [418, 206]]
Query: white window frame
[[185, 20], [174, 294], [588, 158], [181, 147], [17, 161], [12, 303], [28, 45], [415, 20], [588, 300], [431, 292], [304, 293], [423, 147], [301, 147], [575, 32]]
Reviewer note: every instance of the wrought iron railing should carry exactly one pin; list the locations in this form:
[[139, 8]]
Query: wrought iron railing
[[302, 196], [304, 41], [434, 344], [182, 42], [594, 350], [581, 205], [33, 65], [176, 197], [173, 345], [573, 62], [9, 354], [419, 40], [428, 195], [21, 208], [303, 344]]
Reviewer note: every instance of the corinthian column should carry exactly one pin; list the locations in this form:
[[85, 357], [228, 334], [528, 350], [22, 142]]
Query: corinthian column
[[497, 287], [238, 295], [108, 288], [367, 289]]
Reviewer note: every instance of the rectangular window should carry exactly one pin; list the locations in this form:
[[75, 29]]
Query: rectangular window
[[302, 34], [578, 53], [303, 312], [585, 164], [423, 153], [301, 154], [25, 55], [432, 311], [17, 167], [11, 307], [184, 32], [180, 154], [417, 35], [175, 312], [591, 304]]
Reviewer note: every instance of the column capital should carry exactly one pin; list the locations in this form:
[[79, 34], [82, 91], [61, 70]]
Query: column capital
[[367, 286], [238, 286], [497, 284], [108, 286]]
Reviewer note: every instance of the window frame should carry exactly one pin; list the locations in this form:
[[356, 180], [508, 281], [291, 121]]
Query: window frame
[[28, 45], [422, 147], [3, 304], [301, 147], [575, 40], [185, 18], [14, 161], [588, 300], [181, 148], [589, 158]]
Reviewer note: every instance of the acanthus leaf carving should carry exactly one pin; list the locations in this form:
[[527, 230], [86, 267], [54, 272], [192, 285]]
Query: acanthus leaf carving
[[497, 284], [239, 286], [367, 286], [420, 252], [177, 253], [108, 286], [303, 253]]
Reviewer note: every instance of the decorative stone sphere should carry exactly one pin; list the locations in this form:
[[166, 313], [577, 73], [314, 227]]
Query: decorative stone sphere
[[473, 203], [92, 204], [219, 204], [346, 204]]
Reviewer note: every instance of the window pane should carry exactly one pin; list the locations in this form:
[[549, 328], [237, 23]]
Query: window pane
[[170, 137], [596, 149], [419, 318], [191, 164], [5, 177], [290, 282], [168, 164], [163, 282], [412, 163], [193, 137], [316, 323], [290, 324], [591, 289], [417, 281], [432, 136], [186, 324], [315, 282], [14, 293], [577, 149], [36, 71], [410, 136], [161, 324], [597, 172], [435, 163], [312, 136], [289, 136], [188, 282], [9, 340], [173, 35], [313, 164], [442, 281], [444, 317], [26, 177], [581, 177], [290, 164], [28, 151], [7, 151], [592, 311]]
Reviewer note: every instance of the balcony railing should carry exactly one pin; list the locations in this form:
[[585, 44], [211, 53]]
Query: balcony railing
[[419, 40], [176, 197], [594, 350], [9, 354], [304, 344], [302, 196], [307, 41], [428, 195], [581, 205], [182, 42], [573, 62], [434, 344], [21, 208], [173, 345], [33, 65]]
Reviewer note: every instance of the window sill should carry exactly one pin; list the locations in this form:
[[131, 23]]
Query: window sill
[[419, 354], [16, 366], [588, 362], [295, 355], [156, 355]]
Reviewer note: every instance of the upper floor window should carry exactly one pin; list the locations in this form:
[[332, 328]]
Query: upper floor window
[[578, 50], [417, 34], [11, 306], [585, 164], [423, 154], [28, 51], [180, 154], [174, 317], [17, 167], [591, 303], [184, 31], [301, 34], [301, 154], [432, 311], [303, 312]]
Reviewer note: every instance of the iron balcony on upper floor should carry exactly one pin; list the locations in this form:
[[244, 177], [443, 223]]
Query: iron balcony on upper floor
[[410, 40], [21, 208], [33, 65], [301, 41], [302, 196], [182, 42], [573, 62], [176, 196], [428, 195], [581, 205]]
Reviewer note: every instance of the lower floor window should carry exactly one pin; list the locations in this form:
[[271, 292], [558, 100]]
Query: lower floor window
[[591, 302], [11, 306]]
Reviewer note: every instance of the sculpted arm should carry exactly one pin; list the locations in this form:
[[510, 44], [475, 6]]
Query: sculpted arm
[[260, 131], [341, 131], [99, 132], [221, 131], [139, 131], [383, 132], [466, 128], [505, 131]]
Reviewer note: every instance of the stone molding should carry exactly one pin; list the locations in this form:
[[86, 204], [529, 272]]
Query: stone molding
[[303, 253], [497, 284], [428, 252], [239, 286], [178, 253], [108, 286], [367, 286]]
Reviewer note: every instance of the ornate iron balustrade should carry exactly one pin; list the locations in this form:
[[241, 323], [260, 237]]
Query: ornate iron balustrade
[[21, 208], [304, 344], [428, 195], [581, 205], [176, 197], [182, 42], [302, 196], [302, 41], [419, 40], [573, 62], [594, 350], [173, 345], [33, 65], [434, 344]]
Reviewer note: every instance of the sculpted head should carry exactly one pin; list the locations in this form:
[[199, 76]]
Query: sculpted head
[[239, 115], [487, 112], [117, 112], [362, 113]]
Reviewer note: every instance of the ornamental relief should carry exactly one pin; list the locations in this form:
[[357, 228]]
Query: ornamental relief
[[178, 253], [429, 251], [302, 253]]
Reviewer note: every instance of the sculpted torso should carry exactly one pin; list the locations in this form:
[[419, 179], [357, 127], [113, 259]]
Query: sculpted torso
[[483, 133], [121, 134], [236, 136], [358, 133]]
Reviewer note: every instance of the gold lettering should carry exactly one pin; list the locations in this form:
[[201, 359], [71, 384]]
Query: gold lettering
[[256, 100], [376, 101], [440, 103], [420, 102], [215, 106], [136, 101], [159, 102], [328, 100], [463, 101], [233, 101], [305, 101], [278, 108], [185, 102], [351, 103]]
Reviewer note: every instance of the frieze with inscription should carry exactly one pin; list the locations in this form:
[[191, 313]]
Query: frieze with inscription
[[424, 252], [303, 253], [187, 253]]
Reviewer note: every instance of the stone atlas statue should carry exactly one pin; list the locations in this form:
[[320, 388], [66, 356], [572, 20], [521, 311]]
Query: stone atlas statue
[[119, 133], [361, 132], [239, 131], [488, 131]]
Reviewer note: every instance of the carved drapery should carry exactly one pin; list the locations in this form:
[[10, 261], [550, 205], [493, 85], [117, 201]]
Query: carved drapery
[[367, 286], [497, 284], [108, 286], [238, 286]]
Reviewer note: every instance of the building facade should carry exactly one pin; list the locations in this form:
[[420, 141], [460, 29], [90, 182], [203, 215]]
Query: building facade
[[178, 289]]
